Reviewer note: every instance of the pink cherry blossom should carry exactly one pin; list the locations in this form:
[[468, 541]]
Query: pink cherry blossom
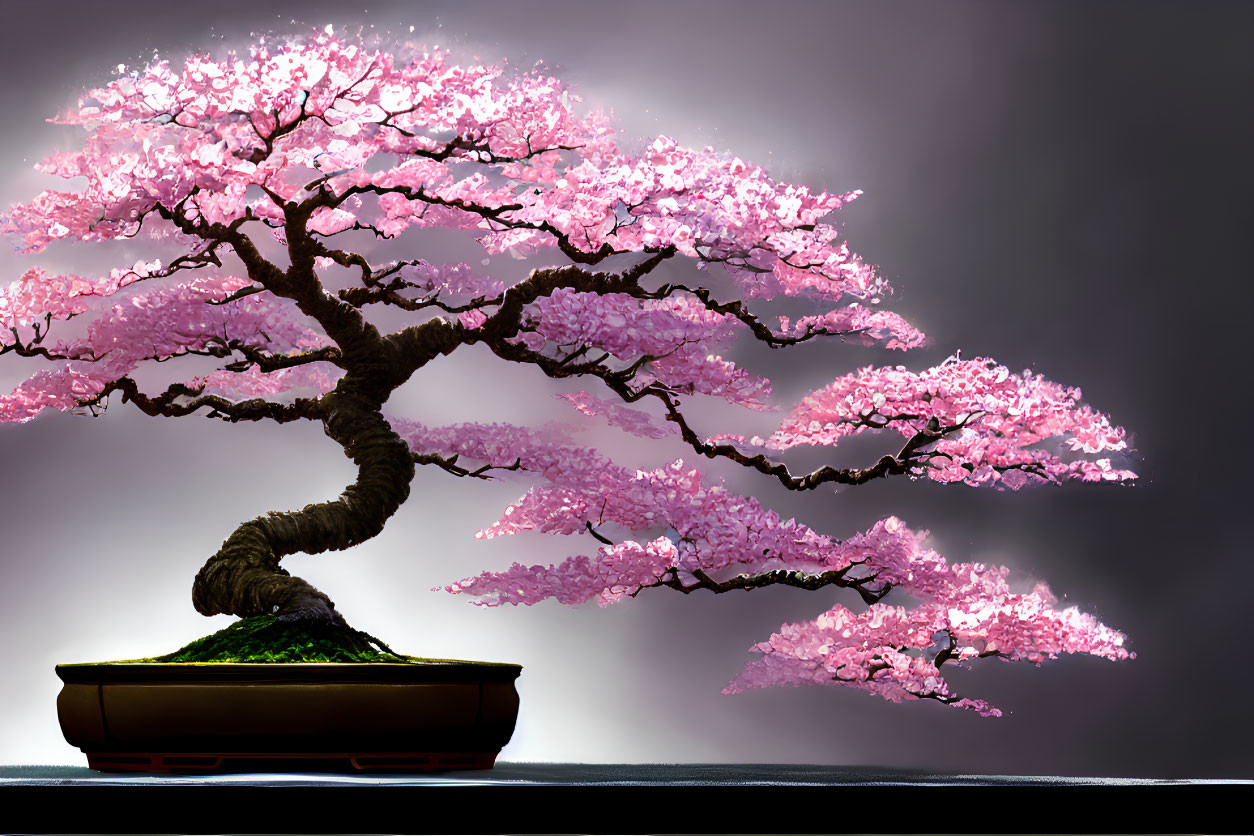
[[633, 421], [998, 416]]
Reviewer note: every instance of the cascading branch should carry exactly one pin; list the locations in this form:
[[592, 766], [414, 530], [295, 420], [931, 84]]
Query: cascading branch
[[276, 190]]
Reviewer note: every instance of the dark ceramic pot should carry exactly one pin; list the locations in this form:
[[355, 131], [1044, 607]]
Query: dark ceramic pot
[[423, 715]]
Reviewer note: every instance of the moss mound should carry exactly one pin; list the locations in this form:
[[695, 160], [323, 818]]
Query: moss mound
[[263, 638]]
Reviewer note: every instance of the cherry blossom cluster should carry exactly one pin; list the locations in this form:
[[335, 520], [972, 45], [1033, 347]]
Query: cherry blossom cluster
[[309, 380], [290, 111], [708, 207], [178, 318], [634, 421], [159, 324], [675, 196], [678, 331], [870, 651], [547, 450], [885, 649], [617, 572], [38, 294], [1000, 414], [322, 105], [865, 325], [456, 280], [714, 527], [127, 169], [64, 388]]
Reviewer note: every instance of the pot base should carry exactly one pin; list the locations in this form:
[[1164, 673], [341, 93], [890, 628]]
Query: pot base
[[219, 762]]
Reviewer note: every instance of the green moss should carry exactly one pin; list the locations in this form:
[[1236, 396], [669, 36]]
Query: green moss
[[263, 638]]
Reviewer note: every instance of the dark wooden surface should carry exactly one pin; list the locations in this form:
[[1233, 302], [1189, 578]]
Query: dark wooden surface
[[616, 798]]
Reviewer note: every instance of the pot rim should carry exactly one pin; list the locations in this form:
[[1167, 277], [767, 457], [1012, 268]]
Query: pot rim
[[419, 670]]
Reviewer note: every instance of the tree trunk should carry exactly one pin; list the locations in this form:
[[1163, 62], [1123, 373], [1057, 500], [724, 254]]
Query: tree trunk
[[244, 577]]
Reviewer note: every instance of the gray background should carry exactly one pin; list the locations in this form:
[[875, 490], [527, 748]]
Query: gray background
[[1062, 186]]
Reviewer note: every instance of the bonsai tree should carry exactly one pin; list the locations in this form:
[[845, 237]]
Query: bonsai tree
[[244, 173]]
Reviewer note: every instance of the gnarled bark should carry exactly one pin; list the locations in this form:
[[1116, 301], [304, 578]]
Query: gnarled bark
[[244, 577]]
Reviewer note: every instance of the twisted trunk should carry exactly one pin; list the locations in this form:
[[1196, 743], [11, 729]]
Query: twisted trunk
[[244, 577]]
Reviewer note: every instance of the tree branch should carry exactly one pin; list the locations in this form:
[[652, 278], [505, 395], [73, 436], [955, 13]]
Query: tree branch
[[164, 405], [491, 213], [737, 309], [450, 464], [274, 362], [785, 577]]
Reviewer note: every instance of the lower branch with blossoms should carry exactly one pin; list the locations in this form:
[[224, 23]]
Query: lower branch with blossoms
[[708, 538]]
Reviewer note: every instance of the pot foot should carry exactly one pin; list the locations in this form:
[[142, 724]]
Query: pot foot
[[199, 762]]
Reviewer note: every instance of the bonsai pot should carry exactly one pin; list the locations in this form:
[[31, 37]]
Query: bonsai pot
[[212, 716]]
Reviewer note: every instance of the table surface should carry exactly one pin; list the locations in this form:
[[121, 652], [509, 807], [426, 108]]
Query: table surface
[[618, 798], [572, 774]]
